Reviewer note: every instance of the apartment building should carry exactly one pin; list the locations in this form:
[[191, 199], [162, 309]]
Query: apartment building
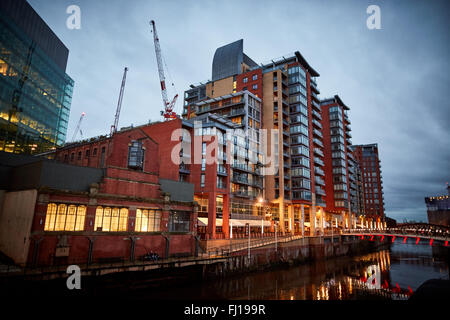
[[372, 184], [341, 172], [287, 90]]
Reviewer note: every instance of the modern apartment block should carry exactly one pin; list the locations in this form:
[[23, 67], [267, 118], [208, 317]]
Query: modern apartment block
[[340, 174], [288, 93], [368, 159], [35, 91]]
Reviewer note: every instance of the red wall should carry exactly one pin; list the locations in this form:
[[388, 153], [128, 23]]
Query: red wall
[[249, 75]]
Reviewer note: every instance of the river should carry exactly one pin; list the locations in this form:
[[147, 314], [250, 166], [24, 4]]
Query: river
[[392, 274]]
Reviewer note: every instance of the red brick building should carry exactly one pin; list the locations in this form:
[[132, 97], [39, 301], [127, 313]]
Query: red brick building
[[108, 201], [368, 158]]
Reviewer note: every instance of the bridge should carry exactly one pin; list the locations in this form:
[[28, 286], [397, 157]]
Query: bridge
[[419, 232]]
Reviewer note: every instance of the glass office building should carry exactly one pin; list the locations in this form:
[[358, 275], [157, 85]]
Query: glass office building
[[35, 91]]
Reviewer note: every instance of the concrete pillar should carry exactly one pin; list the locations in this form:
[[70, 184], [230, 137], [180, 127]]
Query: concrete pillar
[[312, 215], [291, 218], [226, 216], [322, 218], [281, 215], [302, 219], [211, 230], [343, 220]]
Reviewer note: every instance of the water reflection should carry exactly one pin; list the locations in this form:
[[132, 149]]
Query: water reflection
[[387, 274]]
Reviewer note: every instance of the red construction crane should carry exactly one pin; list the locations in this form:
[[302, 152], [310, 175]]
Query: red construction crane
[[119, 103], [78, 126], [168, 112]]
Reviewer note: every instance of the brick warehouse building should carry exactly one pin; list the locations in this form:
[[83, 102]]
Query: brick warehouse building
[[220, 188], [119, 208]]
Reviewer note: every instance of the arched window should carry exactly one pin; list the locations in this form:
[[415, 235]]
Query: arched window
[[123, 221], [71, 217], [98, 219], [50, 217], [115, 219], [106, 226], [111, 219], [61, 217], [81, 216], [147, 220]]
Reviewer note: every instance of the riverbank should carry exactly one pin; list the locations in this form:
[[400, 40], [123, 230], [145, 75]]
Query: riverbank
[[273, 257]]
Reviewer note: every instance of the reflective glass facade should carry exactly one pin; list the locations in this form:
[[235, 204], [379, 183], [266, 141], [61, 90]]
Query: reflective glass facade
[[35, 93]]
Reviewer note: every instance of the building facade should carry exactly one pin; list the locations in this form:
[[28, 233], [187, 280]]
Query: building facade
[[341, 170], [290, 105], [369, 162], [35, 91], [438, 209], [108, 202]]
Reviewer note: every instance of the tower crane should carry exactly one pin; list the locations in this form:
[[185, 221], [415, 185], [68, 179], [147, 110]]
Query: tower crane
[[119, 103], [78, 126], [168, 112]]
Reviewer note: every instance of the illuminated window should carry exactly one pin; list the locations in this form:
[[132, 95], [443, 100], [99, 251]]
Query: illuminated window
[[64, 218], [147, 220], [111, 219], [3, 68]]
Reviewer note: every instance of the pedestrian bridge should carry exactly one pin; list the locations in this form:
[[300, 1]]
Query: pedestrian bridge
[[419, 232]]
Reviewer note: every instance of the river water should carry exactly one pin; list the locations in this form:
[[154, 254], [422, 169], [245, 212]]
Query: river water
[[392, 274]]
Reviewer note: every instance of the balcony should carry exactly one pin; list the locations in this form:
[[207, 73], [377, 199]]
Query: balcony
[[319, 171], [319, 161], [318, 151], [317, 133], [240, 193], [238, 179], [317, 123], [257, 184], [318, 142], [235, 112], [242, 167], [320, 191], [315, 105], [319, 180], [221, 170], [317, 114]]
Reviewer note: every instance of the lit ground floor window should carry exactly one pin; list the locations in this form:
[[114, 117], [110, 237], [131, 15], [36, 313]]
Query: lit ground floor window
[[147, 220], [111, 219], [62, 217]]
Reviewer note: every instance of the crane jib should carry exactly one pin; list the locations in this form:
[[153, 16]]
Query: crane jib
[[163, 85]]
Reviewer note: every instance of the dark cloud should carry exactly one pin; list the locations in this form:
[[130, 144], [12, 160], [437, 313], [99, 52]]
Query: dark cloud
[[394, 80]]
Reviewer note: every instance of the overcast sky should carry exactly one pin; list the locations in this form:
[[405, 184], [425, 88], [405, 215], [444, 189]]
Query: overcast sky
[[394, 80]]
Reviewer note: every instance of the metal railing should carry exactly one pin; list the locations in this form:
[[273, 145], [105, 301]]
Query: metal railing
[[254, 243]]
